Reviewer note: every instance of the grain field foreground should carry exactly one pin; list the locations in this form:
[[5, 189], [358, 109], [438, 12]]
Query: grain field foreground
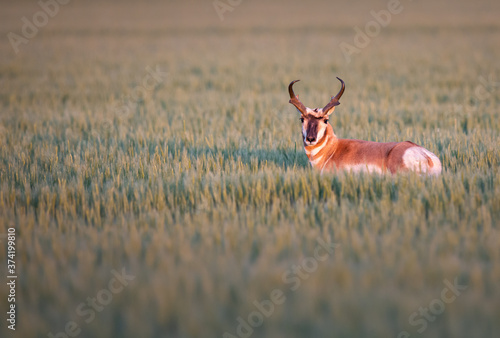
[[154, 172]]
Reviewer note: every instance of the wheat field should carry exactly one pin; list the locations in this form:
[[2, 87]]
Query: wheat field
[[154, 171]]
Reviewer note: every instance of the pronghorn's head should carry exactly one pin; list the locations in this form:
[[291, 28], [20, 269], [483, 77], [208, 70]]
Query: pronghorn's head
[[314, 121]]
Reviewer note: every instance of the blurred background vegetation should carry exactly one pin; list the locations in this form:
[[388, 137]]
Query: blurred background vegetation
[[194, 179]]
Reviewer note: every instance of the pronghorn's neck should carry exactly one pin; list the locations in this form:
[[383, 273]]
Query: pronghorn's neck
[[323, 150]]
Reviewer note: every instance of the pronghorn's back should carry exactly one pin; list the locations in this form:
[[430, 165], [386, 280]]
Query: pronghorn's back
[[327, 152]]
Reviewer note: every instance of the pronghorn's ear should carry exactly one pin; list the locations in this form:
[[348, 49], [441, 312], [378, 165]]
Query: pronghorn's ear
[[330, 107], [330, 110]]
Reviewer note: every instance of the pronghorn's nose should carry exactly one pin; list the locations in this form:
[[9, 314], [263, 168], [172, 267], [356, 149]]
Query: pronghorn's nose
[[311, 139]]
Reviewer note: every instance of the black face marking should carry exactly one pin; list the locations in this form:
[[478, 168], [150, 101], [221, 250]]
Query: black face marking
[[312, 129]]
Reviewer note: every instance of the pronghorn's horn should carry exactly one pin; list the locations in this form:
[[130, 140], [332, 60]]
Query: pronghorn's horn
[[335, 100], [295, 99]]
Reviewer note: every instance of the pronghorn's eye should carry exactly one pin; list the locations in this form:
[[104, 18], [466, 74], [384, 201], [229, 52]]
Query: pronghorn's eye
[[302, 119], [326, 120]]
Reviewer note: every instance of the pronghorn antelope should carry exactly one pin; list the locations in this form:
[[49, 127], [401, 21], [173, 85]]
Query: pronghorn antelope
[[327, 152]]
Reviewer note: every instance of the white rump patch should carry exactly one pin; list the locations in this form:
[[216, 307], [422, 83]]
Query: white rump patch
[[417, 159], [366, 168]]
